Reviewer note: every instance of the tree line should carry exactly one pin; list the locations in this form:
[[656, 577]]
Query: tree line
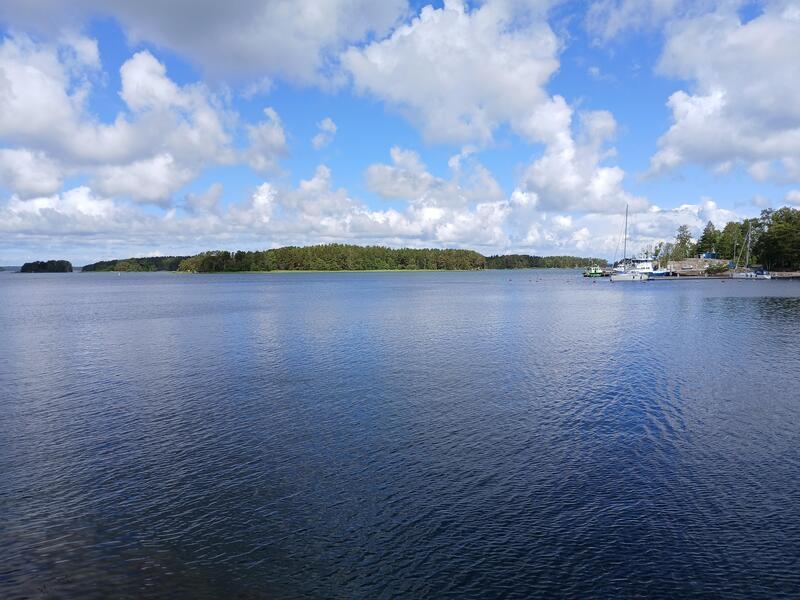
[[47, 266], [526, 261], [149, 263], [334, 257], [347, 257], [774, 241]]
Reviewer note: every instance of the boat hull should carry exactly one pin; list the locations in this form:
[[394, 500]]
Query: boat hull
[[630, 277]]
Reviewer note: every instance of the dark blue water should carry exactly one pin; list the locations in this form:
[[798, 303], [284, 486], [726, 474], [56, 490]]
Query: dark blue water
[[497, 434]]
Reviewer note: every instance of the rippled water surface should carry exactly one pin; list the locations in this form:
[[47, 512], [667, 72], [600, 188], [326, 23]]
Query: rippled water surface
[[398, 434]]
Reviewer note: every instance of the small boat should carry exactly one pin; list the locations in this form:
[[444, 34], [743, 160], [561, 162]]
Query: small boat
[[751, 275], [630, 276], [593, 271]]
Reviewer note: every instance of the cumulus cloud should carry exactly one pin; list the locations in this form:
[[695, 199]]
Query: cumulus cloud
[[459, 73], [267, 142], [29, 173], [406, 178], [76, 212], [167, 135], [571, 175], [744, 107], [313, 211], [327, 130], [435, 212], [293, 39], [150, 180]]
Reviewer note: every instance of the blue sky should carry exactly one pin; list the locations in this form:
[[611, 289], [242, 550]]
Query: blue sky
[[503, 126]]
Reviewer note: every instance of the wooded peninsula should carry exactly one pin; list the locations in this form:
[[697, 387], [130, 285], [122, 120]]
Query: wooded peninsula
[[774, 241], [340, 257]]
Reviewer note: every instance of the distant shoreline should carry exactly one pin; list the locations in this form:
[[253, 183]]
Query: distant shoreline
[[341, 257]]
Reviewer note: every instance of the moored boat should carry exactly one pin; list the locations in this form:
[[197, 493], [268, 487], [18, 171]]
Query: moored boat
[[746, 272], [635, 269], [593, 271], [630, 276], [751, 275]]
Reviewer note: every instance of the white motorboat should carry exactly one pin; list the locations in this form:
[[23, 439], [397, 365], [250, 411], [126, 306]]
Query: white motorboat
[[630, 276]]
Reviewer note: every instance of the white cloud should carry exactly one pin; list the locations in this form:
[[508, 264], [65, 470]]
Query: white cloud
[[570, 175], [168, 135], [76, 212], [151, 180], [145, 85], [293, 39], [42, 106], [408, 179], [315, 211], [267, 142], [458, 73], [29, 173], [81, 51], [405, 179], [793, 198], [744, 108], [327, 130]]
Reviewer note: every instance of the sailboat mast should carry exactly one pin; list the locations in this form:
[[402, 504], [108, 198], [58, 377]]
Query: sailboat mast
[[625, 243], [749, 237]]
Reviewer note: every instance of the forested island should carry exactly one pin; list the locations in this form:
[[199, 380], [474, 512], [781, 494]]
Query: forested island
[[150, 263], [338, 257], [47, 266], [346, 257]]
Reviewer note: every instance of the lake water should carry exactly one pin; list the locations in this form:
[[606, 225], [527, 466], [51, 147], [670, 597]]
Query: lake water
[[371, 435]]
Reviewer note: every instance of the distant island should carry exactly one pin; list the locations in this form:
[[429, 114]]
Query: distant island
[[150, 263], [47, 266], [340, 257]]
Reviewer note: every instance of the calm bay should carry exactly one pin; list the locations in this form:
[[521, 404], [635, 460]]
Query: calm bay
[[463, 434]]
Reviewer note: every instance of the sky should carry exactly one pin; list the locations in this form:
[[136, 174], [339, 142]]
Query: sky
[[167, 128]]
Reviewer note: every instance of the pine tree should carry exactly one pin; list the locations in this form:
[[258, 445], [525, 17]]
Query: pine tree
[[708, 241]]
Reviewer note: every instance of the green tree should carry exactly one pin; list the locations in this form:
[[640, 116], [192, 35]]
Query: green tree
[[778, 243], [684, 246], [730, 240], [708, 240], [662, 253]]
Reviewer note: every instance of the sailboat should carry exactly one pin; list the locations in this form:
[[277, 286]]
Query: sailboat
[[746, 273], [629, 271]]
